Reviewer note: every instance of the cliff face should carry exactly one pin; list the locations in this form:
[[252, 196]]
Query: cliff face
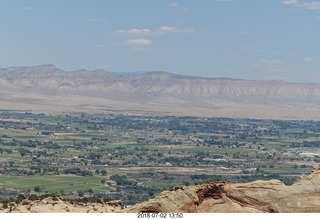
[[49, 78], [49, 89], [224, 197]]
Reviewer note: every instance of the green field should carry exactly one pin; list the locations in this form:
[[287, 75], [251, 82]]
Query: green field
[[39, 150], [53, 184]]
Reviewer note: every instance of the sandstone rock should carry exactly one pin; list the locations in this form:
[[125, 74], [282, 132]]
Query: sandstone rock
[[26, 202], [56, 205], [257, 196]]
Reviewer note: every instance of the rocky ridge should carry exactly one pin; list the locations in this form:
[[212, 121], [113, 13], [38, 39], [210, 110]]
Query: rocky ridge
[[225, 197], [46, 88], [56, 205]]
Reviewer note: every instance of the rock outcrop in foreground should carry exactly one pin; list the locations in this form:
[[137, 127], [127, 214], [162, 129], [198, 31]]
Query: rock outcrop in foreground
[[257, 196], [56, 205], [219, 196]]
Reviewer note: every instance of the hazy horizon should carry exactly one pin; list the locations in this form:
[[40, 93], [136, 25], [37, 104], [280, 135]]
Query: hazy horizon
[[135, 73], [251, 40]]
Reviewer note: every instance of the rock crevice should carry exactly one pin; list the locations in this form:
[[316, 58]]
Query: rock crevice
[[257, 196]]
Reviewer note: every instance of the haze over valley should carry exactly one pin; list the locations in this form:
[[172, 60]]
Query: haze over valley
[[159, 106]]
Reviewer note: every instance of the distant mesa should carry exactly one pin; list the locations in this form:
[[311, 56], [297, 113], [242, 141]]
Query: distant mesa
[[39, 87]]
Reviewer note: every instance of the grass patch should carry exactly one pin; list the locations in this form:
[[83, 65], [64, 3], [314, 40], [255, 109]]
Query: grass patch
[[54, 183]]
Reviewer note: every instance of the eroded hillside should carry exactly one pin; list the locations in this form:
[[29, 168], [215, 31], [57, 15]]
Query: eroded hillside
[[49, 89]]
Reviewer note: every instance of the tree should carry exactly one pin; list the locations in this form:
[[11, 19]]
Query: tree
[[37, 189], [80, 193], [186, 183]]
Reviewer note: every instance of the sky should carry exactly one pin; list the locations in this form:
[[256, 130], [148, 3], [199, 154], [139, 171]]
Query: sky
[[242, 39]]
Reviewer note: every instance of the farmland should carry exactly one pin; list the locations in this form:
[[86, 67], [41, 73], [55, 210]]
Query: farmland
[[135, 157]]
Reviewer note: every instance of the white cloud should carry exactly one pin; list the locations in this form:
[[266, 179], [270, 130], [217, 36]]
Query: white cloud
[[243, 33], [294, 54], [119, 31], [289, 2], [307, 59], [266, 64], [97, 20], [173, 5], [102, 45], [138, 42], [315, 5], [139, 49], [185, 10], [28, 8], [177, 8], [251, 49], [136, 32], [167, 29], [137, 37], [310, 6], [273, 65], [247, 48], [270, 62]]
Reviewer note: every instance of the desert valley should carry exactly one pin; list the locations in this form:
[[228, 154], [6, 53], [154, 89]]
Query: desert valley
[[96, 141]]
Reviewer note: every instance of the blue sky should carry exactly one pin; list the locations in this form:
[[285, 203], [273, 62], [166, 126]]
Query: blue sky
[[246, 39]]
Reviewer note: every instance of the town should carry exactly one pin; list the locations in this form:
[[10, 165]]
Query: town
[[133, 158]]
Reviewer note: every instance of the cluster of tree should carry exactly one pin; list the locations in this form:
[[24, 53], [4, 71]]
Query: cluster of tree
[[32, 197], [23, 152], [121, 180], [32, 143], [167, 141], [3, 150], [77, 171], [135, 197], [205, 178], [249, 178], [82, 193], [91, 199], [102, 172], [94, 155], [179, 161]]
